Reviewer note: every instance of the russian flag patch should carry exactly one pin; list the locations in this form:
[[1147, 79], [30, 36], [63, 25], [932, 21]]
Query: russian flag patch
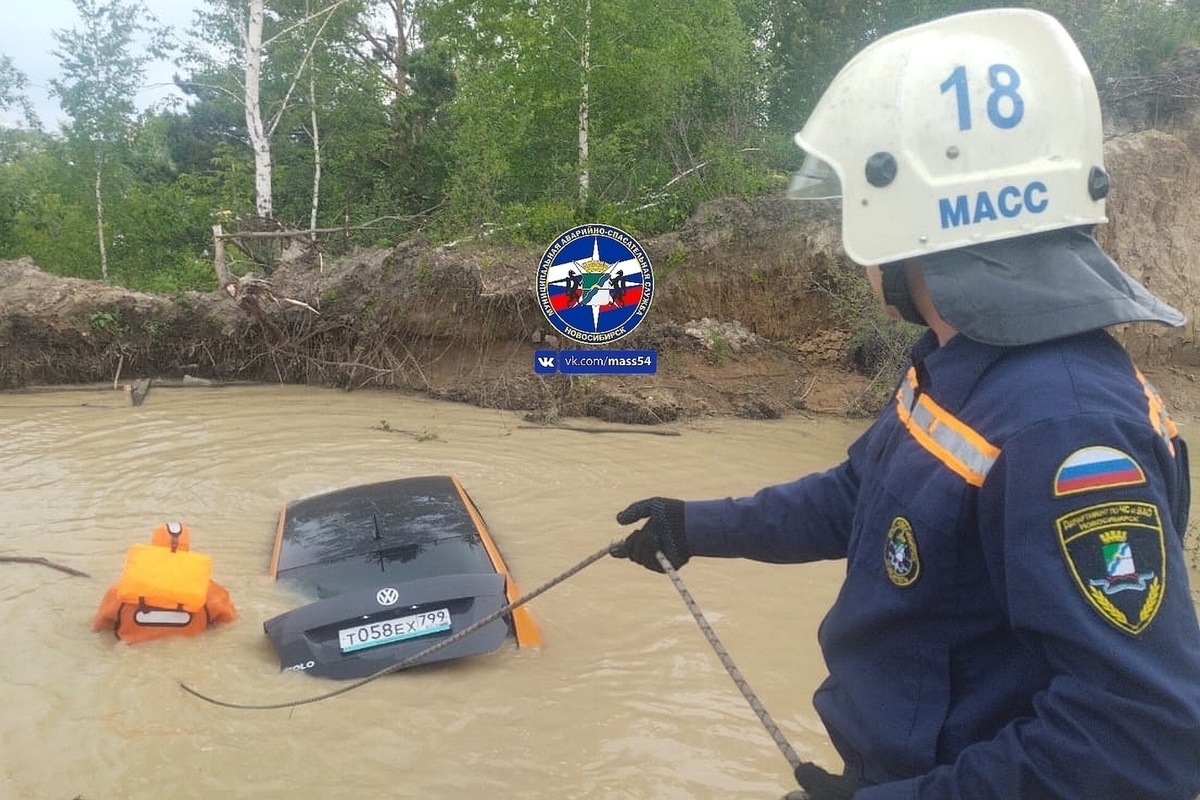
[[1096, 467]]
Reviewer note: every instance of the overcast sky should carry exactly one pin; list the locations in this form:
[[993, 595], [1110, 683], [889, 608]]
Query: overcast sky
[[25, 37]]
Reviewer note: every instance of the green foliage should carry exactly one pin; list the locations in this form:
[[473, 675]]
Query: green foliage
[[801, 44], [1122, 38], [686, 102], [101, 72], [108, 322], [12, 92], [539, 222], [719, 347], [190, 273], [674, 260], [157, 227], [55, 230], [665, 86], [164, 231]]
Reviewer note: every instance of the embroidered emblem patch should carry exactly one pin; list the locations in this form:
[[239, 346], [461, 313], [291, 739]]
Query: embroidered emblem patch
[[900, 553], [1116, 553], [1096, 468]]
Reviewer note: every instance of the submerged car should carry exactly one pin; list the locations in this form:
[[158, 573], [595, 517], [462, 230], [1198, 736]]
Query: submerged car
[[393, 568]]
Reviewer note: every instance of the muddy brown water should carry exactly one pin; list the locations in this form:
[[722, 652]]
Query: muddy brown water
[[625, 700]]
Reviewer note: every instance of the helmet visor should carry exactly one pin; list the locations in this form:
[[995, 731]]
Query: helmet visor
[[816, 180]]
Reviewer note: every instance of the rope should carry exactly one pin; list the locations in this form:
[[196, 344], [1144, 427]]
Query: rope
[[413, 659], [780, 741]]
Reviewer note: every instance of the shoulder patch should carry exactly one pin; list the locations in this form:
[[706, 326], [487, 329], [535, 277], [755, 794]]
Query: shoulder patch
[[1115, 553], [1098, 467]]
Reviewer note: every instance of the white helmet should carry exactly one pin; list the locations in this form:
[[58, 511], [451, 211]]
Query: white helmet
[[973, 128]]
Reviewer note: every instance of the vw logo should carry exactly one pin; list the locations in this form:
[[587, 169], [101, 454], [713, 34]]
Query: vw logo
[[387, 597]]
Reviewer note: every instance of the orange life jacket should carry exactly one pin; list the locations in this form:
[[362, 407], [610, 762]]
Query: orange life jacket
[[164, 590]]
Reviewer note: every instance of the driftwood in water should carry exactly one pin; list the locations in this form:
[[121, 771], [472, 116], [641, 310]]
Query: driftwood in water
[[581, 429], [45, 562], [187, 381], [141, 388]]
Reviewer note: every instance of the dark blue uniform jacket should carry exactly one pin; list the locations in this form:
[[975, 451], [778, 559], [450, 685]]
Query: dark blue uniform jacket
[[1016, 620]]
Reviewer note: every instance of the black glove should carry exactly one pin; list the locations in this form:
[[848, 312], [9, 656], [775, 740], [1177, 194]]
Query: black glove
[[663, 531], [821, 785]]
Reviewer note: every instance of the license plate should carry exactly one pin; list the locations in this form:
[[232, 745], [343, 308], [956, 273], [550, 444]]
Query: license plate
[[386, 631]]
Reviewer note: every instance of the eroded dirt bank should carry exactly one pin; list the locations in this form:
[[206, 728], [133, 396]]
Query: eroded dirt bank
[[744, 319], [752, 313]]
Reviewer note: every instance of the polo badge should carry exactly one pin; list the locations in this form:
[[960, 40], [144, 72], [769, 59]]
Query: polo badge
[[900, 553], [1097, 467], [1115, 553]]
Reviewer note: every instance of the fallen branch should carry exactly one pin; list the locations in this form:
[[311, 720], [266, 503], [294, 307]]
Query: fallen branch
[[581, 429], [186, 382], [44, 562], [141, 388], [308, 233]]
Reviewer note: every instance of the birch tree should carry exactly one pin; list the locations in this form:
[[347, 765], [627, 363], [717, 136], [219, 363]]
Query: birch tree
[[338, 108], [380, 89], [256, 129], [260, 128], [101, 74], [582, 103], [326, 41], [585, 85], [244, 32]]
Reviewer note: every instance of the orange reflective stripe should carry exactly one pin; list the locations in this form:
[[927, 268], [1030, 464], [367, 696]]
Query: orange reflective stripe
[[943, 435], [524, 627], [1159, 417], [968, 454], [274, 568]]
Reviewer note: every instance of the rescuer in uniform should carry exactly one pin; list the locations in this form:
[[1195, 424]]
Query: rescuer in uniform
[[165, 590], [1015, 620]]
